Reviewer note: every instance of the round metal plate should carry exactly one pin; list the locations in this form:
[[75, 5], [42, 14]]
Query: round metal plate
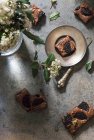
[[80, 41]]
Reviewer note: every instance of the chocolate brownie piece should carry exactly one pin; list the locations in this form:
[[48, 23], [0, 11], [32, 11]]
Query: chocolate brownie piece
[[65, 46], [31, 102], [78, 116], [37, 13], [84, 12]]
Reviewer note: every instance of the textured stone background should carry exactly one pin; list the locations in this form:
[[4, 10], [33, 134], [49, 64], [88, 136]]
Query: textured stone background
[[15, 74]]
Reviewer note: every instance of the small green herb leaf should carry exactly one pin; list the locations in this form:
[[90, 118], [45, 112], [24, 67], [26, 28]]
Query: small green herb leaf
[[54, 15], [46, 75], [33, 37], [35, 67], [24, 1], [49, 60], [34, 72], [88, 65]]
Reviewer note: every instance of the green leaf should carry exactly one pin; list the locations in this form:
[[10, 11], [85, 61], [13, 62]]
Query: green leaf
[[24, 1], [46, 75], [54, 15], [34, 72], [33, 37], [35, 67], [88, 65], [29, 15], [49, 60]]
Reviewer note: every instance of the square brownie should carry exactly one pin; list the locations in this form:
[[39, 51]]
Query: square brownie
[[84, 12], [78, 116], [31, 102], [37, 14], [65, 46]]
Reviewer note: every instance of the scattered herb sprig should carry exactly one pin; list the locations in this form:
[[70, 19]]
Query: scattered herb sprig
[[44, 65], [89, 65], [47, 64], [54, 15]]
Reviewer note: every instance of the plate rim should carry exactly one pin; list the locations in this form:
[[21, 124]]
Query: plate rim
[[80, 33]]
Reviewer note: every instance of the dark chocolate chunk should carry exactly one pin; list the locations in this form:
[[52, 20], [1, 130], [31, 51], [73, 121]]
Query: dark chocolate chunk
[[37, 101], [67, 47], [86, 11], [80, 115], [84, 106], [67, 120], [26, 101]]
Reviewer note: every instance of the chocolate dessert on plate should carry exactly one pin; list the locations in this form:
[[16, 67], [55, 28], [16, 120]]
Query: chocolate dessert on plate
[[66, 46]]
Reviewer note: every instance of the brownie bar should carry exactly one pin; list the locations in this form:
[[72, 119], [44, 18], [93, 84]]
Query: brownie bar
[[31, 102], [37, 13], [78, 117], [84, 12], [65, 46]]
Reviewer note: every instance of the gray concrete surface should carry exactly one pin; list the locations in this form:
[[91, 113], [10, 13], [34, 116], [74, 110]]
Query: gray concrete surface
[[15, 74]]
